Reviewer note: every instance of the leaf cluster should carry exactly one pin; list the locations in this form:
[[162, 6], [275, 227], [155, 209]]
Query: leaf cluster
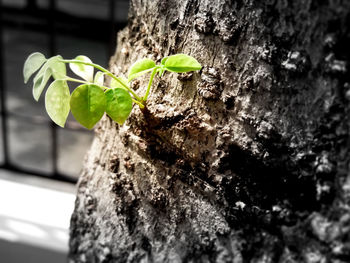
[[90, 100]]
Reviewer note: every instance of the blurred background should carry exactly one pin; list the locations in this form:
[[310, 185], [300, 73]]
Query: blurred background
[[39, 161]]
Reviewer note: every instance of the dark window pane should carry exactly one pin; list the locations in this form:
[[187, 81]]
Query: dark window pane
[[73, 146], [14, 3], [18, 44], [29, 145], [70, 47], [1, 144], [92, 8]]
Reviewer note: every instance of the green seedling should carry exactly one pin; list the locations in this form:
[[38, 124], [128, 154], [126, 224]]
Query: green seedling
[[89, 101]]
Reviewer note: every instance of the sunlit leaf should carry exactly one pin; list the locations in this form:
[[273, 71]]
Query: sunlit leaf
[[161, 69], [182, 63], [99, 78], [40, 81], [57, 101], [88, 104], [84, 71], [117, 84], [58, 68], [119, 104], [140, 67], [164, 60], [32, 64]]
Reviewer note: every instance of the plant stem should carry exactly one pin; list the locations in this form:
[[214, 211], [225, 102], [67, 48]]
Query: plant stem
[[84, 82], [150, 84], [76, 80], [108, 73], [138, 103]]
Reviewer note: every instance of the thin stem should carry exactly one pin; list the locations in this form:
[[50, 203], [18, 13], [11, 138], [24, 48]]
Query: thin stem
[[150, 84], [138, 103], [76, 80], [108, 73], [85, 82]]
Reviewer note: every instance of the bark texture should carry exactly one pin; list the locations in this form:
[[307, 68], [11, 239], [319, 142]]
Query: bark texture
[[244, 161]]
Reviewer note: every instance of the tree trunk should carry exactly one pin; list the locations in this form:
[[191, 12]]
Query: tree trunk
[[244, 161]]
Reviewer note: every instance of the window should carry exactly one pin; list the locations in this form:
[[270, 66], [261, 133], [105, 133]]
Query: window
[[30, 143]]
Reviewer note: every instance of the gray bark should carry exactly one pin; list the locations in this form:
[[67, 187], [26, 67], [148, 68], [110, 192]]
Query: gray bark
[[244, 161]]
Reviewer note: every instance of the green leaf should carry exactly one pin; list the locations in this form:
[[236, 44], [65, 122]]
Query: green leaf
[[32, 64], [57, 101], [99, 78], [88, 104], [162, 68], [84, 71], [40, 81], [116, 84], [119, 104], [52, 67], [58, 68], [140, 67], [164, 60], [181, 63]]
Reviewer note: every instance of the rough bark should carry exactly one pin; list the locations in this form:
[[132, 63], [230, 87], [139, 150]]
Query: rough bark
[[244, 161]]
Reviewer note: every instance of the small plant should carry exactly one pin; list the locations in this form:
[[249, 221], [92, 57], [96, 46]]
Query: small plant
[[89, 101]]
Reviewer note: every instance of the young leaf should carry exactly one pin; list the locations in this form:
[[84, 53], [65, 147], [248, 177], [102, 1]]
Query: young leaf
[[57, 101], [181, 63], [58, 68], [164, 60], [116, 84], [99, 78], [84, 71], [140, 67], [32, 64], [119, 104], [40, 80], [161, 68], [88, 104]]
